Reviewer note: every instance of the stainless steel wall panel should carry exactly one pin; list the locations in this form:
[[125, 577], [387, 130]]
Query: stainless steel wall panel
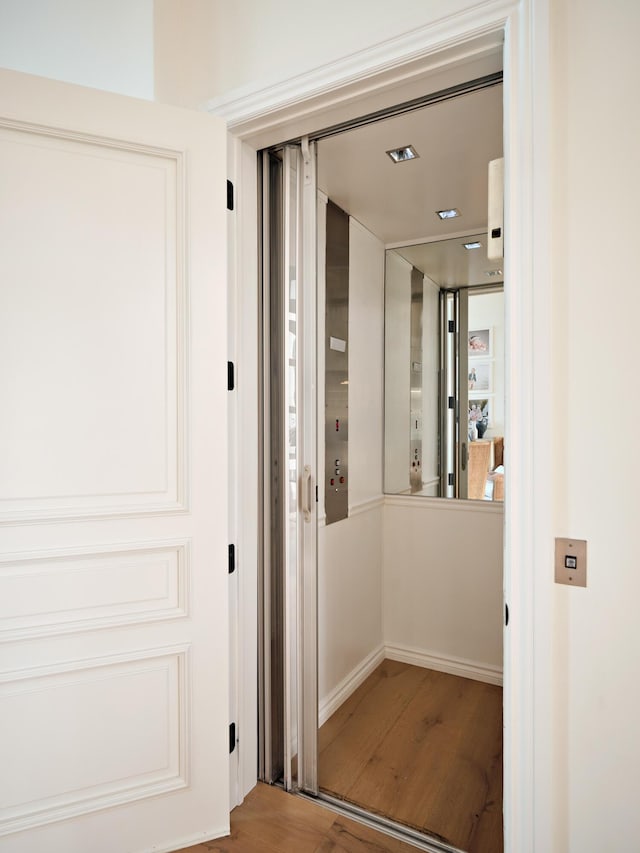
[[336, 468]]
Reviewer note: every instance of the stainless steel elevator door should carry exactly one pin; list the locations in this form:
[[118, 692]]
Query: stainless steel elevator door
[[275, 468], [288, 653]]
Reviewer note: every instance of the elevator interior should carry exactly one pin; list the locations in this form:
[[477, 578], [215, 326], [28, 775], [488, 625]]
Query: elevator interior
[[403, 576]]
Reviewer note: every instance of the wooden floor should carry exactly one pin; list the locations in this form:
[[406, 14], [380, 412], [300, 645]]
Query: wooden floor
[[419, 746], [270, 821], [423, 748]]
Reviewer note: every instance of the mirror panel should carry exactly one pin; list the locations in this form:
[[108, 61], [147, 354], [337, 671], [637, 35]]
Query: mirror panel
[[444, 371]]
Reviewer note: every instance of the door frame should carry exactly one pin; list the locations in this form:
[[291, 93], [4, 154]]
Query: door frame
[[259, 117]]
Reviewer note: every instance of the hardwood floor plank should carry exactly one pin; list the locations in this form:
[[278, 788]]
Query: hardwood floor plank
[[457, 763], [488, 833], [419, 722], [336, 723], [281, 821], [363, 723], [436, 767]]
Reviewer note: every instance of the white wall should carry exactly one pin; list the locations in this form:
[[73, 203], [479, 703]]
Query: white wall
[[349, 597], [596, 647], [106, 45], [350, 551], [187, 53], [262, 41], [442, 588]]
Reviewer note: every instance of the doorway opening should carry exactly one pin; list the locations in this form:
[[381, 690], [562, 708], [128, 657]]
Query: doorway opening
[[378, 552]]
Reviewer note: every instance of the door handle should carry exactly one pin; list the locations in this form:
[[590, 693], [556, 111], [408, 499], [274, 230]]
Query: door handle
[[306, 493], [463, 456]]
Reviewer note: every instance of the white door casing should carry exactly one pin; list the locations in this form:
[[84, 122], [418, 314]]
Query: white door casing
[[113, 472], [377, 77]]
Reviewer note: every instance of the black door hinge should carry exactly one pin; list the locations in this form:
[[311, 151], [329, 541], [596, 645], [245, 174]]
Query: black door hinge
[[232, 559], [232, 737], [229, 195], [231, 376], [506, 615], [452, 402], [451, 480], [452, 325]]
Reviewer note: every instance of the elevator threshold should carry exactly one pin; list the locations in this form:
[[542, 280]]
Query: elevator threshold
[[394, 832]]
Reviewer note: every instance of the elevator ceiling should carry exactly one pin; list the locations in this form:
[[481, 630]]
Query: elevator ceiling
[[455, 141], [448, 264]]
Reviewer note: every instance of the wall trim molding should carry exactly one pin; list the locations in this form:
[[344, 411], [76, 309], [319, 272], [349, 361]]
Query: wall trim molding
[[426, 504], [51, 505], [330, 703], [366, 506], [110, 612], [210, 834], [357, 509], [122, 791], [462, 667], [252, 108]]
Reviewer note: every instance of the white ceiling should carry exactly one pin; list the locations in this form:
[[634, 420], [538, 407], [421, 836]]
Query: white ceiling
[[449, 264], [397, 201]]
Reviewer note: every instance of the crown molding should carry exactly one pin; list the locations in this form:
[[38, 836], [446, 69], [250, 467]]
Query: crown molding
[[471, 34]]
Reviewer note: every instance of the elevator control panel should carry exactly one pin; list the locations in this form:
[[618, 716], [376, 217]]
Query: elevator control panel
[[336, 385], [571, 562], [415, 472]]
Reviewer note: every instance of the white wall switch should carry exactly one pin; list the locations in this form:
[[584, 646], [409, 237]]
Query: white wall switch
[[571, 562]]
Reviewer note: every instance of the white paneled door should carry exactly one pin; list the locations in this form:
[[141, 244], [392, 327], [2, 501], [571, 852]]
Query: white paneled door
[[113, 472]]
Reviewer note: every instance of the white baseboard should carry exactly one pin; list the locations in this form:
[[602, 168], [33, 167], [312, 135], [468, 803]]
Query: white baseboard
[[454, 666], [333, 700], [405, 654]]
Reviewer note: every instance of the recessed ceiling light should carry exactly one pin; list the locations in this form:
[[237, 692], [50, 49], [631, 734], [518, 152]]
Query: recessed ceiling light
[[401, 155], [492, 273], [448, 214], [475, 245]]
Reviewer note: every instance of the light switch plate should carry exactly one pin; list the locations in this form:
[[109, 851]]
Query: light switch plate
[[571, 553]]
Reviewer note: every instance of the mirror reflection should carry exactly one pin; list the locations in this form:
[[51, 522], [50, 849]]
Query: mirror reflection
[[444, 370]]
